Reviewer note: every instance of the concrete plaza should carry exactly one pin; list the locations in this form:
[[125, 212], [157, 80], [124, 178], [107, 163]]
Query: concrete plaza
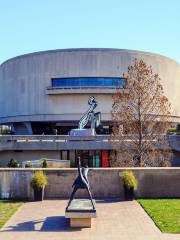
[[115, 220]]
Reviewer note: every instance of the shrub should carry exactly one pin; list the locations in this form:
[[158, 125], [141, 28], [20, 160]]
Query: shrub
[[5, 131], [39, 180], [13, 163], [44, 164], [28, 165], [129, 180], [171, 131]]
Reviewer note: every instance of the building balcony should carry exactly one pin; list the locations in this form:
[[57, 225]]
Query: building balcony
[[66, 142], [81, 90], [53, 142]]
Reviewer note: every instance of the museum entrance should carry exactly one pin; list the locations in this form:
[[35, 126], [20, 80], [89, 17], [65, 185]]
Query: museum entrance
[[90, 158]]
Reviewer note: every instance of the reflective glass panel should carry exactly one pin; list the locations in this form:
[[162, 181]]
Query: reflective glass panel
[[89, 82]]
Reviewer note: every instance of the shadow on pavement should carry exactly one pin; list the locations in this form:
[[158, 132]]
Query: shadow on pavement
[[51, 224], [109, 200]]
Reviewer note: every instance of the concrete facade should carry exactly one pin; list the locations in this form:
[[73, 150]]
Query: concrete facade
[[28, 97], [28, 78], [25, 148], [153, 183]]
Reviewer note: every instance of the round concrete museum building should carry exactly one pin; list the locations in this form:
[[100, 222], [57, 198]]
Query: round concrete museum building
[[47, 92]]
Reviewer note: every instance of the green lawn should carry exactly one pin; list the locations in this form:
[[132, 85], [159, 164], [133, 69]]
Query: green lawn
[[7, 209], [164, 212]]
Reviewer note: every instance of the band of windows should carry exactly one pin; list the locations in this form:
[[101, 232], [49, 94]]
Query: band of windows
[[89, 82]]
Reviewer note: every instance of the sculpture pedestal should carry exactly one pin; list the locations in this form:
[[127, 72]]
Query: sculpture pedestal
[[80, 222], [82, 132], [80, 212]]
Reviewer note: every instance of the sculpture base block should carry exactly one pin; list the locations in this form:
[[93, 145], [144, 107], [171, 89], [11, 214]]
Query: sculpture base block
[[82, 132], [80, 222], [80, 212]]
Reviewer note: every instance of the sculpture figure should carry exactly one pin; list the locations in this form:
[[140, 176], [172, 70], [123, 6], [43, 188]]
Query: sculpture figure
[[81, 182], [95, 118]]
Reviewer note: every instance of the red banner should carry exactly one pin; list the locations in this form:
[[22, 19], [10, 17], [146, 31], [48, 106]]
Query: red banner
[[105, 160]]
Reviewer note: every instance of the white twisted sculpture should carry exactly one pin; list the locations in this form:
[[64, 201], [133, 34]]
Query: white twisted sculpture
[[95, 118]]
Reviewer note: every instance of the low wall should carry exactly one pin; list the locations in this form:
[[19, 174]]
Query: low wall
[[153, 182], [15, 184]]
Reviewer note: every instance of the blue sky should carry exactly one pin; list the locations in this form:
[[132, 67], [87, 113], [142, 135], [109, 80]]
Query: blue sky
[[36, 25]]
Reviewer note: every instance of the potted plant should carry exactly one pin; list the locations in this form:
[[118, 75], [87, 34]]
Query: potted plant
[[129, 183], [38, 183]]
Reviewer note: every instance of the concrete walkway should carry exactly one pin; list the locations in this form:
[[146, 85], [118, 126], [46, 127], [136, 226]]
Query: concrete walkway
[[116, 220]]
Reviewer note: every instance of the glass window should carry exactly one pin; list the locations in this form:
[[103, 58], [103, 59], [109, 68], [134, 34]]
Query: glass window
[[64, 155], [89, 82]]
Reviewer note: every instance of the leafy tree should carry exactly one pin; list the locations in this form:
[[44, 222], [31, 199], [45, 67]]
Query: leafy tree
[[141, 116]]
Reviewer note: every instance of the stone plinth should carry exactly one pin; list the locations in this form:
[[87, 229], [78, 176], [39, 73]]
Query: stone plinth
[[82, 132], [80, 212]]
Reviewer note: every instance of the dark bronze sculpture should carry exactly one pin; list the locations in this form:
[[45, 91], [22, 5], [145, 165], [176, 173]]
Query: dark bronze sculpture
[[81, 182]]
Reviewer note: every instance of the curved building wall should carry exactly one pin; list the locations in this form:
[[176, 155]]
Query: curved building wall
[[24, 81]]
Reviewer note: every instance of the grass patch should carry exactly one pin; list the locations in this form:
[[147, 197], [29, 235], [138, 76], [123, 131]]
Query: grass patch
[[7, 209], [164, 212]]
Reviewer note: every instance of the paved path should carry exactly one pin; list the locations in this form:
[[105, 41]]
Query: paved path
[[116, 220]]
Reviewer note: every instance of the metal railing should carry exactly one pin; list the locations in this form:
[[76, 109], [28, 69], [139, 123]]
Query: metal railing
[[51, 138]]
